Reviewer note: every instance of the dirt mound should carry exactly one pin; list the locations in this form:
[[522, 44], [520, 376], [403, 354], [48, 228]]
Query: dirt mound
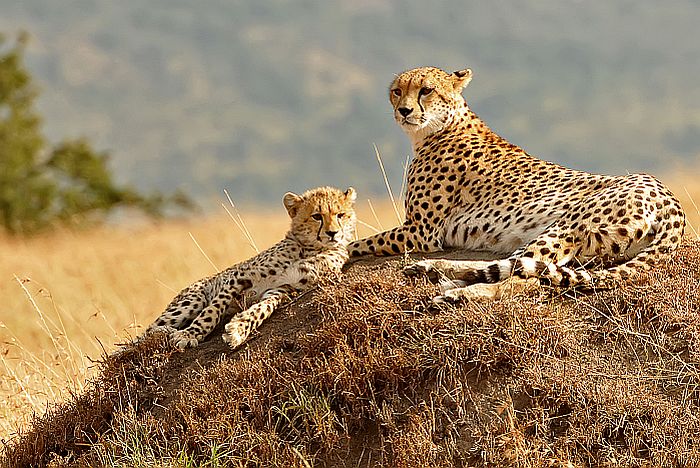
[[370, 373]]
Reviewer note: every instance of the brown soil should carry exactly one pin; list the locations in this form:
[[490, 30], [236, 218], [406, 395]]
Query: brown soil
[[370, 373]]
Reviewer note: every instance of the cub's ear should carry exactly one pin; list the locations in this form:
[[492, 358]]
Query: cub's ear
[[460, 79], [350, 195], [291, 203]]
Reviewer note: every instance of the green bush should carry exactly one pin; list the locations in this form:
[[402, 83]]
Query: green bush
[[43, 185]]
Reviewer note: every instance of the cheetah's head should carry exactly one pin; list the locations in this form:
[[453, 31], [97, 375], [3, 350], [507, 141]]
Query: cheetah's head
[[322, 217], [426, 98]]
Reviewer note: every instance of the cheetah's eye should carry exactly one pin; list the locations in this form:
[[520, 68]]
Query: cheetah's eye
[[396, 92], [341, 215], [425, 91], [317, 216]]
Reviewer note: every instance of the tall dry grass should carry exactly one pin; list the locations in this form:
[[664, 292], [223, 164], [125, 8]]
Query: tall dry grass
[[685, 183], [69, 296]]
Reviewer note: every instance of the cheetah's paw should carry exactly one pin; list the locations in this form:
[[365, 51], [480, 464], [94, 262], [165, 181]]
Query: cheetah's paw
[[167, 329], [446, 284], [236, 333], [182, 339], [450, 296], [423, 268], [472, 292]]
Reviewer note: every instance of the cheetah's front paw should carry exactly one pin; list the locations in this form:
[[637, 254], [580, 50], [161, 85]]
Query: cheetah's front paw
[[167, 329], [182, 339], [236, 333]]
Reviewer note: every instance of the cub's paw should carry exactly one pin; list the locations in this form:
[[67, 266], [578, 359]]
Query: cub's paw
[[182, 339], [237, 331], [423, 268], [167, 329]]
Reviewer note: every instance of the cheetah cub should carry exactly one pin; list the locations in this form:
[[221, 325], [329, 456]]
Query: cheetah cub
[[322, 225], [468, 187]]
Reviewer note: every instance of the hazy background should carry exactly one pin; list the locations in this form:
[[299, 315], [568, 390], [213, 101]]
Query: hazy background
[[262, 96]]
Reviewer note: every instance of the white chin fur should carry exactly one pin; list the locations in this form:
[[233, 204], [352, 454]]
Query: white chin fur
[[411, 127]]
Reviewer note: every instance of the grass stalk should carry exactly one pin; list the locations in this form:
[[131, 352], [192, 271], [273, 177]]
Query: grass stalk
[[399, 218]]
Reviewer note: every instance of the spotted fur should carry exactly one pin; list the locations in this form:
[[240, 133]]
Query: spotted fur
[[322, 225], [468, 187]]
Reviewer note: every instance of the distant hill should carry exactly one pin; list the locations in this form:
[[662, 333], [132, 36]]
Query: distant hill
[[267, 95]]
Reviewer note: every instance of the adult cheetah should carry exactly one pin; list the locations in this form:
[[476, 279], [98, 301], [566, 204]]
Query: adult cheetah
[[322, 225], [467, 187]]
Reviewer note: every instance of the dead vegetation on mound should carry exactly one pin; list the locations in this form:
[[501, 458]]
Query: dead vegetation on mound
[[369, 373]]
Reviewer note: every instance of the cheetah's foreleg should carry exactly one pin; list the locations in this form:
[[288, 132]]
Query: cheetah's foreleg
[[242, 324]]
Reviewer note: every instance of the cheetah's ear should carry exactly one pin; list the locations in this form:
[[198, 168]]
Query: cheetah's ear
[[461, 78], [291, 203], [350, 195]]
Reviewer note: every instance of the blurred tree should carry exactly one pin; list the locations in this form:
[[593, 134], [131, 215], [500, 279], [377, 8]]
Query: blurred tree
[[42, 185]]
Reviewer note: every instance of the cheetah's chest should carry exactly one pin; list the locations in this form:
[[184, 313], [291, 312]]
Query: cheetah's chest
[[270, 271]]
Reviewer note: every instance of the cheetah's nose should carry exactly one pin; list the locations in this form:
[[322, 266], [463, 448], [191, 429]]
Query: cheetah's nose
[[331, 234], [404, 111]]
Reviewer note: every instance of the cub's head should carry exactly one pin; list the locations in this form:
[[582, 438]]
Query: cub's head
[[322, 217], [426, 98]]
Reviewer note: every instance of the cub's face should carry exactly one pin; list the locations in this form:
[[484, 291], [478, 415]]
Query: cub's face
[[322, 217], [424, 99]]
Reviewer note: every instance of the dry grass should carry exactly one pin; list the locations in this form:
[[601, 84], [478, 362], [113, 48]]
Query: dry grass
[[685, 183], [368, 373], [66, 293], [70, 294]]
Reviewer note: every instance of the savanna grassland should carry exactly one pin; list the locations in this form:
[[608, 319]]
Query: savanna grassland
[[70, 296]]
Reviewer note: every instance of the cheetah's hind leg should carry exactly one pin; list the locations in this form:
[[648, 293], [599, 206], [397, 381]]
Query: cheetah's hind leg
[[471, 279], [181, 310]]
